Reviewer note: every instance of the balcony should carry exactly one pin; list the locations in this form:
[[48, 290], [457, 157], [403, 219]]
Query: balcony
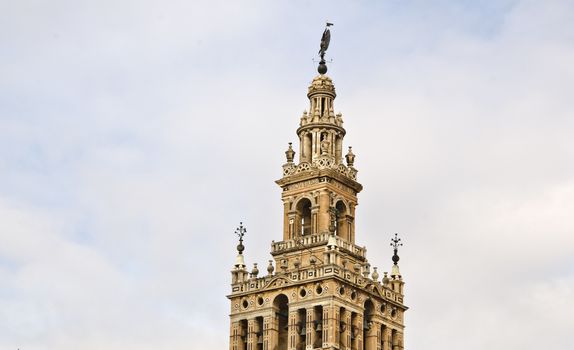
[[310, 241]]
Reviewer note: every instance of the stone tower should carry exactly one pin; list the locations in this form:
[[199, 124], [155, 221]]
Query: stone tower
[[319, 291]]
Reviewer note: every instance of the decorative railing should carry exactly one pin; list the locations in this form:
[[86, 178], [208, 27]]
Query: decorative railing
[[300, 242], [355, 249], [314, 240]]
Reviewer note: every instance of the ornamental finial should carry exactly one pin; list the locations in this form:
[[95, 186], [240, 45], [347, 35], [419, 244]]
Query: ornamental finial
[[396, 243], [240, 232], [325, 40], [290, 154], [350, 157]]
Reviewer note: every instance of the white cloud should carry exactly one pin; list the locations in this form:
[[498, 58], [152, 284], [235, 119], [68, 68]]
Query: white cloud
[[134, 136]]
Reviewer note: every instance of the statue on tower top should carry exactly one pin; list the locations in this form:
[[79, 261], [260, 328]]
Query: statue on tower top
[[325, 40]]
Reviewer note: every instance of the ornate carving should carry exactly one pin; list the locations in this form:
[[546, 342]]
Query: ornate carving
[[304, 184], [324, 162], [304, 166], [289, 169], [321, 83]]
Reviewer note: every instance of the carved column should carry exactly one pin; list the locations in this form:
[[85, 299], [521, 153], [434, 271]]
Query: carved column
[[352, 223], [349, 228], [398, 341], [372, 336], [316, 145], [286, 218], [380, 338], [306, 151], [387, 338], [357, 329], [337, 325], [325, 332], [329, 326], [324, 212], [314, 219], [333, 151], [338, 148], [345, 327]]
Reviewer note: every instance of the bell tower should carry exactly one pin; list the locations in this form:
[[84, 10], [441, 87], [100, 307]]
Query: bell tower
[[320, 191], [319, 291]]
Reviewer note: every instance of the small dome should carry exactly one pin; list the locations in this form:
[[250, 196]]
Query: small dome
[[322, 84]]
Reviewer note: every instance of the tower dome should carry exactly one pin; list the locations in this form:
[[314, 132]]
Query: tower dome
[[322, 84]]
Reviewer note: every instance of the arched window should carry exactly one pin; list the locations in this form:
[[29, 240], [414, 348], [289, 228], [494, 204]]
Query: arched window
[[307, 146], [341, 226], [304, 217], [318, 326], [243, 335], [301, 328], [259, 333]]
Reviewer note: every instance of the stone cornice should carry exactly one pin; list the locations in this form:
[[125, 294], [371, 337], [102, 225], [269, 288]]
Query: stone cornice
[[318, 174]]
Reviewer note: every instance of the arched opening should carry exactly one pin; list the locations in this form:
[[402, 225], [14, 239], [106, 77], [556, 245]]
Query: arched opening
[[281, 306], [318, 326], [243, 335], [369, 338], [304, 217], [307, 143], [341, 225], [301, 328], [259, 333], [338, 149]]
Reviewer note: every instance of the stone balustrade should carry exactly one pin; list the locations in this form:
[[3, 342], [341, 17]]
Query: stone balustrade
[[316, 240]]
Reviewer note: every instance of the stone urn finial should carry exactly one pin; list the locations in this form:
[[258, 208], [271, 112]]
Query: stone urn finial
[[350, 157], [290, 154], [375, 274], [255, 270], [270, 267]]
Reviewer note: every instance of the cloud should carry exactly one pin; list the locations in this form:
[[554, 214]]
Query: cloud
[[135, 136]]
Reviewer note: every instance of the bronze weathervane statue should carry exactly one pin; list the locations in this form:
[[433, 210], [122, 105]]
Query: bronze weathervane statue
[[325, 39]]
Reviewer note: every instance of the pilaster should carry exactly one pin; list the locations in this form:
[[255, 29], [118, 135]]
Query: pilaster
[[293, 336], [387, 338], [252, 334], [310, 328], [270, 332]]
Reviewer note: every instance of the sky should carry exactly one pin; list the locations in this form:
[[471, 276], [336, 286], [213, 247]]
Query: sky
[[136, 135]]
